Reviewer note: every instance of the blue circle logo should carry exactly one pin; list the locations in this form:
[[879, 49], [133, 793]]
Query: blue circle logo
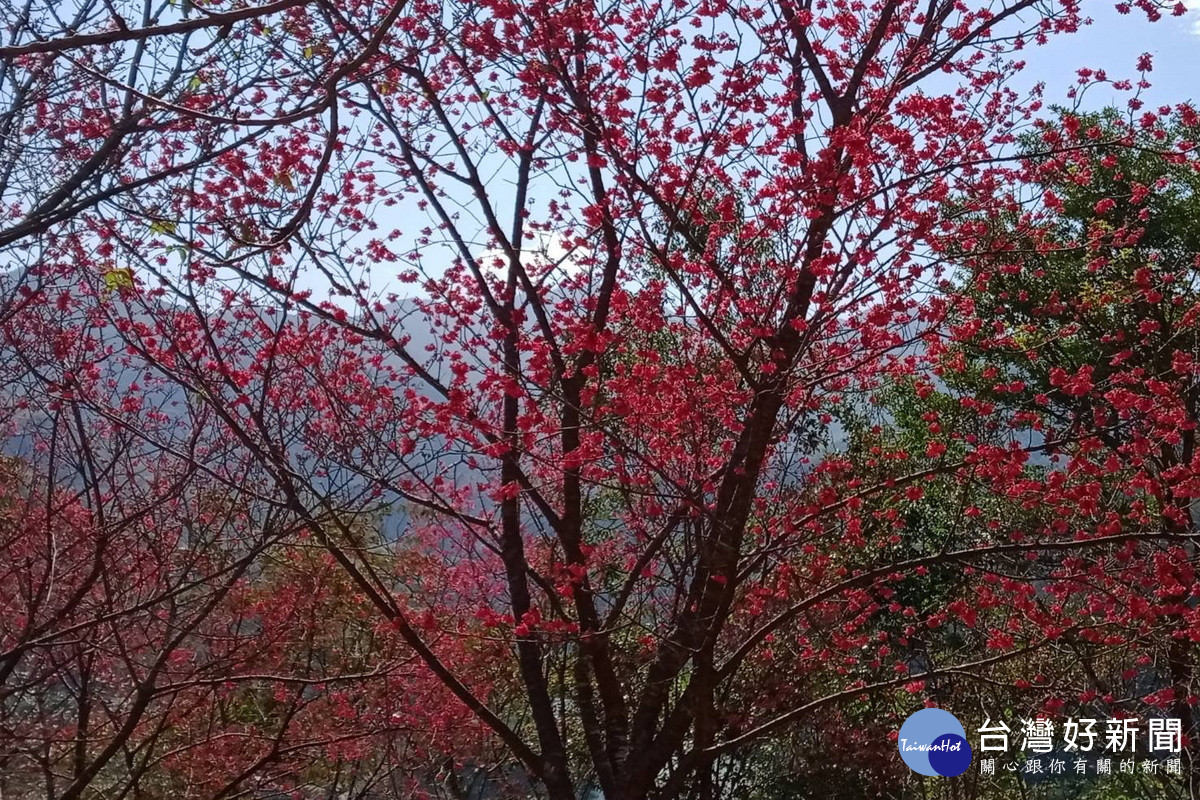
[[932, 742]]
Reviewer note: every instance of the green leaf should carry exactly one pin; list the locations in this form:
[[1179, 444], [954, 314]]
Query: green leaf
[[118, 278]]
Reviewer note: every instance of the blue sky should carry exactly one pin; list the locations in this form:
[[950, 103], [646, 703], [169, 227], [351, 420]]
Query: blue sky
[[1113, 43]]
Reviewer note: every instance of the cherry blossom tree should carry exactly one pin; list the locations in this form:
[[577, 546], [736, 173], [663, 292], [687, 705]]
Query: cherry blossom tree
[[1092, 301], [577, 298]]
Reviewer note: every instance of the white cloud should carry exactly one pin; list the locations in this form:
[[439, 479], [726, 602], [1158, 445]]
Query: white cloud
[[542, 253]]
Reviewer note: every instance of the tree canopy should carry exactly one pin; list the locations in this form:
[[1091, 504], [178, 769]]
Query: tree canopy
[[571, 400]]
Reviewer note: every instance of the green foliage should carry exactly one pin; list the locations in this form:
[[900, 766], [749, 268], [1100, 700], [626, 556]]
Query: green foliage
[[1108, 269]]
